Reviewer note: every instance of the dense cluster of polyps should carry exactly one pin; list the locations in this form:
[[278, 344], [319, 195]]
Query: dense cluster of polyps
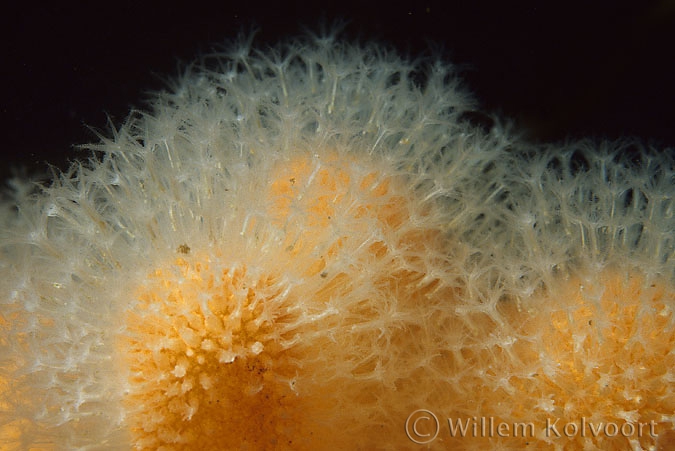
[[300, 247]]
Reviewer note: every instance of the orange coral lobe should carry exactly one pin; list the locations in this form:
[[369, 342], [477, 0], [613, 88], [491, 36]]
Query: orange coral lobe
[[224, 356], [207, 373], [599, 353]]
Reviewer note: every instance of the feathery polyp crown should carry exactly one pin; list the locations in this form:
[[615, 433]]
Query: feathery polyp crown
[[298, 248]]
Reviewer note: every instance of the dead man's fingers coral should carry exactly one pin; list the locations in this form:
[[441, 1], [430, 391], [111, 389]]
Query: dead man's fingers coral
[[307, 246]]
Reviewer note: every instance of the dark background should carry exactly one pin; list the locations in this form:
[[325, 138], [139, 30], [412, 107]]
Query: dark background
[[560, 69]]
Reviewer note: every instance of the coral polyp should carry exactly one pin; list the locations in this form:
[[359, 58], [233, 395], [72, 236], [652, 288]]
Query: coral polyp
[[303, 247]]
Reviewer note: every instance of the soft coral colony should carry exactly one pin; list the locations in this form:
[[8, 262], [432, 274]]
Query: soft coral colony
[[297, 248]]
